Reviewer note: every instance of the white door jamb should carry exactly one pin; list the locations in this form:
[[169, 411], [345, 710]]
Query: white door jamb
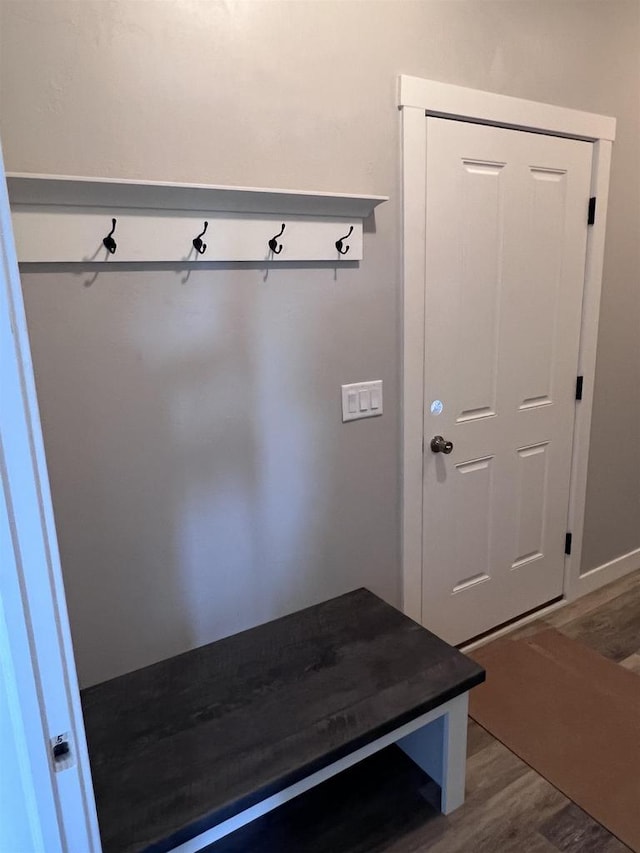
[[36, 657]]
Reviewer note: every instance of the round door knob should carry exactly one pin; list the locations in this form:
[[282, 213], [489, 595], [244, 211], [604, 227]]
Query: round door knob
[[439, 445]]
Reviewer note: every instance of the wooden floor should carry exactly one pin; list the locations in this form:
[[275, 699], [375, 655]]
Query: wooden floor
[[380, 806]]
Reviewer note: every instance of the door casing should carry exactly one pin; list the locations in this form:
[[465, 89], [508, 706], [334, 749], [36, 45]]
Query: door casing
[[417, 99], [36, 656]]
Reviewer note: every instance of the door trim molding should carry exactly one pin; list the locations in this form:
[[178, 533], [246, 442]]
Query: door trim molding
[[416, 99], [448, 101], [37, 656]]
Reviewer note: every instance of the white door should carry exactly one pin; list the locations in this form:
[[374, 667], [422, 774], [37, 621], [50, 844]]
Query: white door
[[506, 231]]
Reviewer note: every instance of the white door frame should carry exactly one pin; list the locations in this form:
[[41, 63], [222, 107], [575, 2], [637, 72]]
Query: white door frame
[[36, 658], [418, 98]]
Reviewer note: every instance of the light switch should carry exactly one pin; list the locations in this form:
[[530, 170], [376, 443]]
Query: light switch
[[361, 400]]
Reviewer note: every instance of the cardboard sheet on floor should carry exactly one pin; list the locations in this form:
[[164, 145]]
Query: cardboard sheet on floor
[[573, 716]]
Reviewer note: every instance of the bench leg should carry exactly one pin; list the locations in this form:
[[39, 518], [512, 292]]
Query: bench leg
[[440, 749]]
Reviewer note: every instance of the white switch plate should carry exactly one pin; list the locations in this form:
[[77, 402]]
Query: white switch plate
[[361, 400]]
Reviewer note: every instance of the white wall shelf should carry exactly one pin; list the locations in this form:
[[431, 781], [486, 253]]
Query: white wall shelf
[[62, 219]]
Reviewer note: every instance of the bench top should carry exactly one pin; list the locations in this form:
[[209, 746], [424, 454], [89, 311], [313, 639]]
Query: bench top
[[184, 744]]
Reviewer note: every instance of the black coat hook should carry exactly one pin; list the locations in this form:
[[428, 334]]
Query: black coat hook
[[109, 243], [273, 242], [339, 243], [198, 245]]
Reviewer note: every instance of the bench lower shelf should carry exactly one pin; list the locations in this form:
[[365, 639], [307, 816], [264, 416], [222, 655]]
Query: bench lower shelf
[[436, 742], [373, 805]]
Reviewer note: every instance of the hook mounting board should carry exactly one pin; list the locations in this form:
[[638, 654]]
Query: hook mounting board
[[60, 219]]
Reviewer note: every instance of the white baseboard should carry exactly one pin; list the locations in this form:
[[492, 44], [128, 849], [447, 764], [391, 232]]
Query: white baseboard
[[607, 572]]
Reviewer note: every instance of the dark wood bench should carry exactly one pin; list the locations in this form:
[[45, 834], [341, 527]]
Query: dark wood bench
[[189, 749]]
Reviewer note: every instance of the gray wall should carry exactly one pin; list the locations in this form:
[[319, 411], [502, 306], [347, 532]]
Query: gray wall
[[201, 477]]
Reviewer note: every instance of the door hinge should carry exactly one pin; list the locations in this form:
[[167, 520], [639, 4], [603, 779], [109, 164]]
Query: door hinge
[[579, 383], [591, 217], [567, 543]]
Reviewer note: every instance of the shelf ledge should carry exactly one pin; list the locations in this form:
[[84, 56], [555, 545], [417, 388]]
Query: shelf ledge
[[74, 191]]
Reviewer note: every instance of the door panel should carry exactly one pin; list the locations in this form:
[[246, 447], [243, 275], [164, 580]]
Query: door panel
[[532, 481], [473, 498], [505, 253], [477, 290]]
